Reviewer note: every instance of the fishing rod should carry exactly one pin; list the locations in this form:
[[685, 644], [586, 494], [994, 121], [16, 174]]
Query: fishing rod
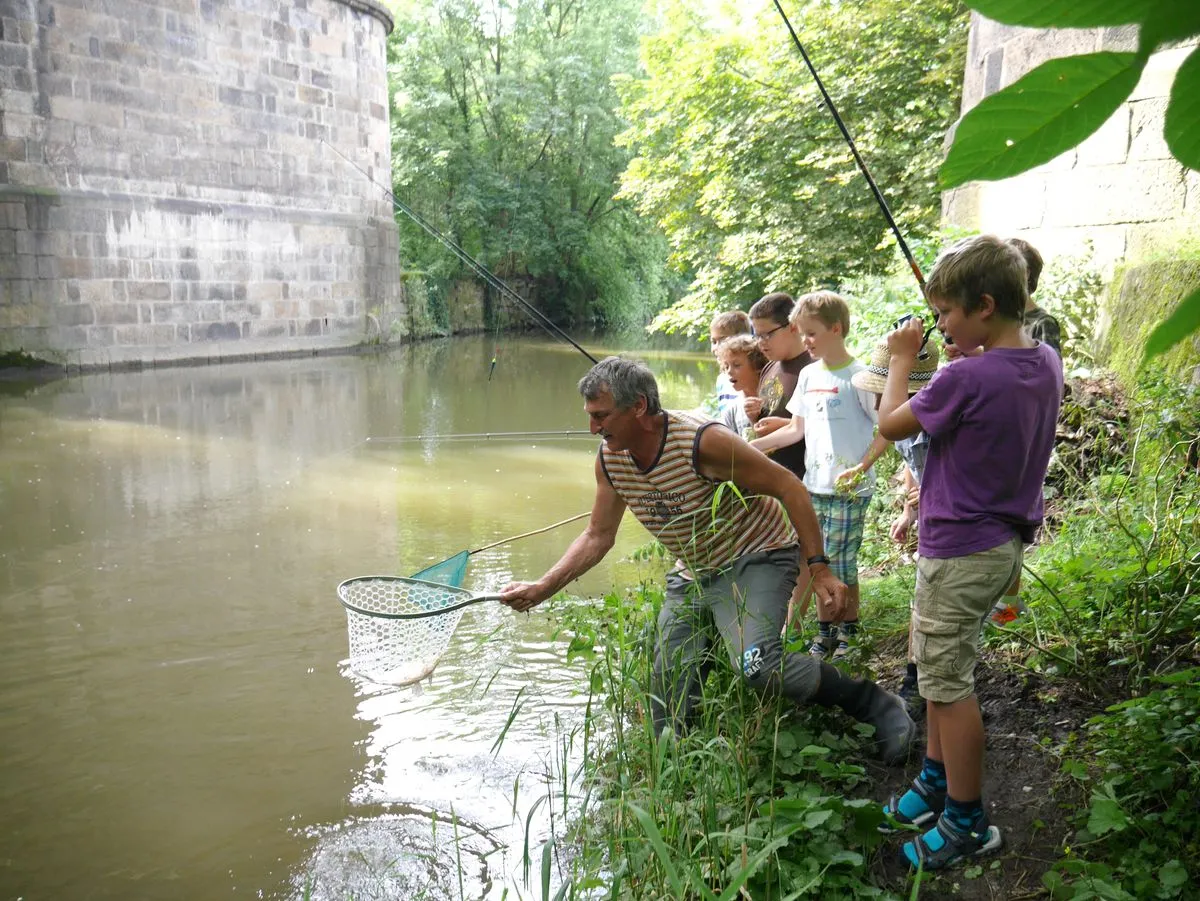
[[887, 213], [481, 436], [478, 268]]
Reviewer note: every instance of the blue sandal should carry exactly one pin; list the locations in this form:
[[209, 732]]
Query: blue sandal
[[915, 807], [945, 845]]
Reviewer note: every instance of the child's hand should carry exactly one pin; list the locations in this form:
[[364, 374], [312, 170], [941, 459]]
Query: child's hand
[[753, 406], [769, 424], [848, 481], [954, 352], [905, 342], [914, 497], [901, 524]]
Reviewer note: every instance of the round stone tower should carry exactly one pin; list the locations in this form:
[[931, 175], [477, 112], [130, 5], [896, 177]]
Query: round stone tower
[[170, 181]]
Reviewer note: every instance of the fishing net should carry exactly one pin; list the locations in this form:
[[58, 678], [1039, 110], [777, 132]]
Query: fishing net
[[451, 571], [397, 627]]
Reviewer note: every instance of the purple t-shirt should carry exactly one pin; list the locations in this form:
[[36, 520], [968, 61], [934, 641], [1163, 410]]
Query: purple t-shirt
[[991, 425]]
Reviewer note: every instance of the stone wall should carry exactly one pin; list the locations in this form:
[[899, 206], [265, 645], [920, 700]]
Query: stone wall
[[169, 186], [1138, 299], [1120, 190]]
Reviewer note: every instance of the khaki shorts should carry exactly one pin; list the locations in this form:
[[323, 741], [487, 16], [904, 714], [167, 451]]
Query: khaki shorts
[[953, 597]]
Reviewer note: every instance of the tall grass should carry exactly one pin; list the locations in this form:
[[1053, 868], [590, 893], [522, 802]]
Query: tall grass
[[757, 799]]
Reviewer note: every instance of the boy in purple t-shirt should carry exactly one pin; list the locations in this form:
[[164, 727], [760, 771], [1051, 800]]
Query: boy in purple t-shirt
[[991, 421]]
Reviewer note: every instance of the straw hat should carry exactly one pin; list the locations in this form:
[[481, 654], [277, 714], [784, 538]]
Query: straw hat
[[874, 376]]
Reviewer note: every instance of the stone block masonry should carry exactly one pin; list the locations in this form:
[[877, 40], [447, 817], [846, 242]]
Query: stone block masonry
[[168, 190], [1116, 194]]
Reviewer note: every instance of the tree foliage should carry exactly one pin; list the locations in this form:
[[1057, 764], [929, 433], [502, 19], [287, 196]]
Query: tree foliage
[[1063, 101], [503, 122], [743, 168]]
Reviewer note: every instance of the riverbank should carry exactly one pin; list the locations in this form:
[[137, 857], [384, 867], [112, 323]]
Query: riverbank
[[1090, 700]]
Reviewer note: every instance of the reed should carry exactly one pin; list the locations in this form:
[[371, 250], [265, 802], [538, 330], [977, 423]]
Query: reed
[[758, 799]]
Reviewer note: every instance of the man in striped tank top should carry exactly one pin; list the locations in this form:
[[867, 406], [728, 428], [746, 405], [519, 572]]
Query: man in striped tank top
[[737, 557]]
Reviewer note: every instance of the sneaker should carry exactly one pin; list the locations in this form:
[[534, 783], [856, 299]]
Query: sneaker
[[1006, 611], [842, 649], [820, 647], [945, 844]]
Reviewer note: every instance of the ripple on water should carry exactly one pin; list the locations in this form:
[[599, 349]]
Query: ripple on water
[[401, 855]]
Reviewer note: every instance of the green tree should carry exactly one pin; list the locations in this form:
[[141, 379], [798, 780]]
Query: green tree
[[739, 163], [503, 119], [1054, 107]]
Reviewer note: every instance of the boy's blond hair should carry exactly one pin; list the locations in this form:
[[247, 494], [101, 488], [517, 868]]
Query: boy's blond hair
[[744, 344], [972, 267], [735, 322], [829, 308]]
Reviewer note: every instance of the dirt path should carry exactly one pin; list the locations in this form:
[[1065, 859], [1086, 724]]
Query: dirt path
[[1027, 719]]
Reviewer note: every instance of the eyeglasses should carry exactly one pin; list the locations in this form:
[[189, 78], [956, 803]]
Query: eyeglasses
[[767, 334]]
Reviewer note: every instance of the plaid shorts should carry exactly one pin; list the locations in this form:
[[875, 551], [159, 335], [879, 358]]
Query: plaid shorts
[[841, 520]]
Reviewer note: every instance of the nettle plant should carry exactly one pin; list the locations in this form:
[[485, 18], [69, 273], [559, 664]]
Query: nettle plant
[[1063, 101]]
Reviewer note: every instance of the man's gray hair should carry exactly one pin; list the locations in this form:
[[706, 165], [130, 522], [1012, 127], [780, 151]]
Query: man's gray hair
[[626, 380]]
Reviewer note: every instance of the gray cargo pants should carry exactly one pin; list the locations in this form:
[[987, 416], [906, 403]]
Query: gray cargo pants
[[747, 603]]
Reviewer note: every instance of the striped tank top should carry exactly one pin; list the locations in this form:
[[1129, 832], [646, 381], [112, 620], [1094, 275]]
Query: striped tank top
[[675, 502]]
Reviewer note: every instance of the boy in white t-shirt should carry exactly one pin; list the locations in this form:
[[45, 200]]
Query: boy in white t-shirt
[[837, 422]]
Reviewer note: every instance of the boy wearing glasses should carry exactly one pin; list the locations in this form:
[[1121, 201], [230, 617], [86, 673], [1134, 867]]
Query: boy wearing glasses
[[779, 340], [990, 419]]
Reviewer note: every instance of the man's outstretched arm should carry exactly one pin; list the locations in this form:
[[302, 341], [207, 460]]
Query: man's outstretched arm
[[585, 551]]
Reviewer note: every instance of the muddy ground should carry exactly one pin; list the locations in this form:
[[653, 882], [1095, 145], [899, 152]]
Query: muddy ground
[[1028, 719]]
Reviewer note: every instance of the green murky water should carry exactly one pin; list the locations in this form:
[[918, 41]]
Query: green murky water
[[176, 720]]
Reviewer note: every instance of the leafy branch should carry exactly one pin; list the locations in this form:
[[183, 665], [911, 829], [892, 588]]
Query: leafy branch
[[1063, 101]]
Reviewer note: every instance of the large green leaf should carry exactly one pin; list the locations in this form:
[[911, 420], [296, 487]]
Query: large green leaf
[[1182, 127], [1033, 120], [1065, 13], [1106, 815], [1183, 322], [1173, 876], [1170, 20]]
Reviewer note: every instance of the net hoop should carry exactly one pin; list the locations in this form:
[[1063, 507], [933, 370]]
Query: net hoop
[[400, 627], [451, 593]]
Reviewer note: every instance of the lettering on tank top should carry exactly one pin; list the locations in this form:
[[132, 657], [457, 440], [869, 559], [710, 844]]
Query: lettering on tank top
[[676, 503]]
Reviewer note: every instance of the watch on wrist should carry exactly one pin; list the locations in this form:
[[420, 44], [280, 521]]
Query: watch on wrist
[[818, 558]]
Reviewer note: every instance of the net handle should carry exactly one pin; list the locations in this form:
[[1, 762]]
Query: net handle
[[555, 525]]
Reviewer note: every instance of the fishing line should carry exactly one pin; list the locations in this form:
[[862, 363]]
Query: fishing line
[[475, 266], [887, 213], [477, 436]]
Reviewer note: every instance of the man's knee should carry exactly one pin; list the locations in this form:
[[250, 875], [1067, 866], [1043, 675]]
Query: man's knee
[[759, 663]]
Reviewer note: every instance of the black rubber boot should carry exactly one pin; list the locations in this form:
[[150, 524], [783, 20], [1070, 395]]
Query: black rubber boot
[[868, 703]]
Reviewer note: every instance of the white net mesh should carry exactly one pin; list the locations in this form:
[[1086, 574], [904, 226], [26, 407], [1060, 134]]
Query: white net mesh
[[398, 651]]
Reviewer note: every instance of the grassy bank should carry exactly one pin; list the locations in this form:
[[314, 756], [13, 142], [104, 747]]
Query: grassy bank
[[1092, 698]]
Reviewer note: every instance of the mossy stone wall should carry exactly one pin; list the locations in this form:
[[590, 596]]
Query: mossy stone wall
[[1138, 299]]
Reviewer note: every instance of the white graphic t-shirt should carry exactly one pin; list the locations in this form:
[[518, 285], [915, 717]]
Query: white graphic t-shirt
[[839, 425]]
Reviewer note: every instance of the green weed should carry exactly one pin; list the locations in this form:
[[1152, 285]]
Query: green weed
[[1140, 764], [756, 800]]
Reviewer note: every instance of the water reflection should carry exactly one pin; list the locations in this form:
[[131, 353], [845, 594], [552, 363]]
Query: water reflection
[[175, 721]]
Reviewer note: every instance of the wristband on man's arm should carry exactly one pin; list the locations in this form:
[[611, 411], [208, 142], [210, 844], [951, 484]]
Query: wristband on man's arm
[[818, 558]]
